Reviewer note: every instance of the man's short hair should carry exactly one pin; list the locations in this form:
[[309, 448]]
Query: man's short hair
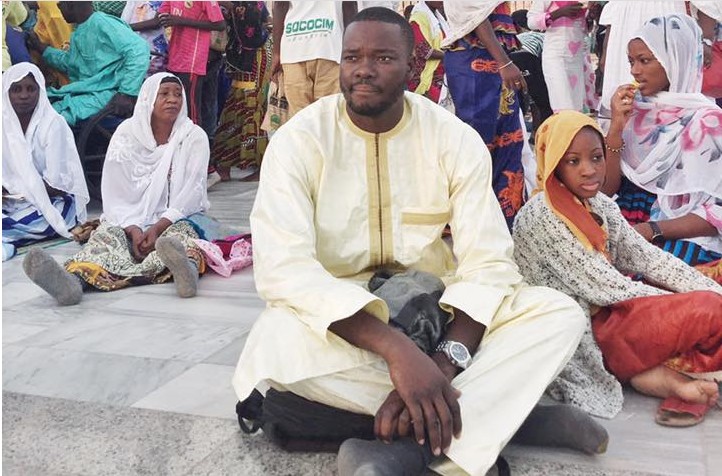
[[386, 15]]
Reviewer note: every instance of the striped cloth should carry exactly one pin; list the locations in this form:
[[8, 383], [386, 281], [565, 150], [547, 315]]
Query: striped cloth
[[636, 203], [532, 41], [23, 225]]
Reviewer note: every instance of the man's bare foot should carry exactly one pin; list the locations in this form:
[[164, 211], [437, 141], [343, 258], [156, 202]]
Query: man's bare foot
[[664, 382]]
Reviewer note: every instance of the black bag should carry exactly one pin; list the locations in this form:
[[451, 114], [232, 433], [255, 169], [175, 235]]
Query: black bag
[[296, 424]]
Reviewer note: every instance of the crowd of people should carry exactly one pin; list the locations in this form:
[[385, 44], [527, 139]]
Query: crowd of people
[[588, 263]]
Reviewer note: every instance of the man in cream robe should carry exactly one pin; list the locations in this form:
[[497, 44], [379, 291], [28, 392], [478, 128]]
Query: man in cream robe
[[336, 202]]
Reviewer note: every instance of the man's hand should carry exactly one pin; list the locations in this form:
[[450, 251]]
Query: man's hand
[[431, 401], [34, 42], [392, 419], [166, 20], [122, 105], [276, 68], [135, 235]]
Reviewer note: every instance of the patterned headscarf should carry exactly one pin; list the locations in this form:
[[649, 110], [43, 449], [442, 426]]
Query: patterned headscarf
[[676, 42], [552, 141]]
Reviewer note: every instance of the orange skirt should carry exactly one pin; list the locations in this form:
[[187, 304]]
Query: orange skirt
[[682, 331]]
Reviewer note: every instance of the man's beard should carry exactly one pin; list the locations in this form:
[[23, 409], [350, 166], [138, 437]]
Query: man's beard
[[373, 110]]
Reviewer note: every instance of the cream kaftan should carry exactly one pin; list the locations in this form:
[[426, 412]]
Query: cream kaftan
[[334, 203]]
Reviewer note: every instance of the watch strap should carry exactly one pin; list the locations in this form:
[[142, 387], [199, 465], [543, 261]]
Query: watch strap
[[444, 347], [657, 234]]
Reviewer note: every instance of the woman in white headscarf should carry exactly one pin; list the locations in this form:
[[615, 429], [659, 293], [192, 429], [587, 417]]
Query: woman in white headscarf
[[665, 143], [44, 189], [154, 191]]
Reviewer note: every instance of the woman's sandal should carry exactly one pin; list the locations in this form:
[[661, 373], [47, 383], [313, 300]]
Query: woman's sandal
[[678, 413]]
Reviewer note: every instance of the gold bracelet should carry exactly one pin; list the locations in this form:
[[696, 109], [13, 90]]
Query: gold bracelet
[[502, 67], [616, 150]]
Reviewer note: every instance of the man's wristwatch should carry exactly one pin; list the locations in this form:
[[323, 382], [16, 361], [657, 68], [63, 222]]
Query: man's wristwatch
[[707, 42], [657, 236], [456, 352]]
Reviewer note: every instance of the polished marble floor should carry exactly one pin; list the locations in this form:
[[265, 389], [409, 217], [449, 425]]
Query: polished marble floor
[[138, 382]]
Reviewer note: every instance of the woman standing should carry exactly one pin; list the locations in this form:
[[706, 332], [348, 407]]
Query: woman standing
[[567, 76], [239, 140]]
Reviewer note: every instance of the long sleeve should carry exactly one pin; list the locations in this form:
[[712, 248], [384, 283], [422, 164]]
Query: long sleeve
[[135, 55], [56, 58], [191, 195], [486, 272], [287, 271], [536, 16], [61, 167], [635, 255], [549, 254]]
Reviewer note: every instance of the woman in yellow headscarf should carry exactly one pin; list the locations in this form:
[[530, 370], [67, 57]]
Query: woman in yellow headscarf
[[572, 238]]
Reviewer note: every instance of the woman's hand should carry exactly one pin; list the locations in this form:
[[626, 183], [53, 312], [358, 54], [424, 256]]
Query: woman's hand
[[512, 78], [52, 192], [645, 230], [569, 11], [147, 244], [622, 103], [135, 235]]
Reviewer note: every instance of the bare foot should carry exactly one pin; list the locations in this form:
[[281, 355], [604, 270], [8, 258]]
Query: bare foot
[[664, 382], [224, 172], [697, 391]]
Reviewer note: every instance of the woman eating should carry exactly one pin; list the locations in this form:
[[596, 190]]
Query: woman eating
[[665, 142]]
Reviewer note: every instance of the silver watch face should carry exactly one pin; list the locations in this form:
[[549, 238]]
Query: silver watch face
[[458, 352]]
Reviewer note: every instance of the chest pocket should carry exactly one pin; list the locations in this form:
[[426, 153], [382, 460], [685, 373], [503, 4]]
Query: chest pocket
[[425, 217], [422, 247]]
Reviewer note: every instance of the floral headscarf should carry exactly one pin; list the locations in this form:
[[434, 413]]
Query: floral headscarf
[[552, 141]]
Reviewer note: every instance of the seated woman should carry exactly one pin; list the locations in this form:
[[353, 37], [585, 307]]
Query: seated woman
[[154, 189], [664, 143], [663, 335], [44, 190]]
